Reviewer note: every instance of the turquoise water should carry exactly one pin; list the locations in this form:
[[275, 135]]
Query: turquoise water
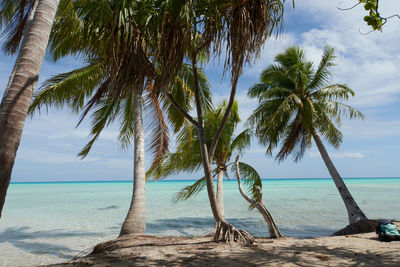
[[52, 222]]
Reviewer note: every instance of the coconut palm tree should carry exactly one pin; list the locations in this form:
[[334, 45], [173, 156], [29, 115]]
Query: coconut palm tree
[[18, 94], [187, 157], [118, 75], [238, 28], [296, 105], [107, 34], [74, 89]]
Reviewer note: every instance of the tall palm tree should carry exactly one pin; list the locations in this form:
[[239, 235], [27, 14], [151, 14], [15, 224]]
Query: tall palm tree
[[75, 88], [108, 35], [238, 28], [296, 105], [18, 94]]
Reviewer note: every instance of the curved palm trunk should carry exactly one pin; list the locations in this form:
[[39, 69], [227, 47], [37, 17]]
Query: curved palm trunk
[[135, 221], [208, 175], [220, 192], [272, 227], [18, 95], [354, 212]]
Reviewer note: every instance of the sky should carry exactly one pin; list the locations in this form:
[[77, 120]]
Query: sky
[[369, 64]]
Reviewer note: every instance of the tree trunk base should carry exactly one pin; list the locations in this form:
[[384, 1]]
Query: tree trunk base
[[227, 233], [362, 226]]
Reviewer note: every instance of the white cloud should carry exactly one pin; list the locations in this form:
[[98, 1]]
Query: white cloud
[[51, 157], [271, 48], [371, 129], [368, 63], [106, 134], [338, 155]]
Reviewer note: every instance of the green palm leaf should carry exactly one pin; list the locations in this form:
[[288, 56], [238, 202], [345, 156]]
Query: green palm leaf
[[69, 89], [251, 179], [191, 190], [322, 74], [295, 101]]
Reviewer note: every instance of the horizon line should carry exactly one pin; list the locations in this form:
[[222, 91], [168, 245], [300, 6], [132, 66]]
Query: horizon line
[[183, 180]]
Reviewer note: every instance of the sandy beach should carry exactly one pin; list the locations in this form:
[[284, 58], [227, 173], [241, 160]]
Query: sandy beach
[[354, 250]]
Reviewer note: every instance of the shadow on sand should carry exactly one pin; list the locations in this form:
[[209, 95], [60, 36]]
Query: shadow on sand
[[186, 252], [255, 227], [24, 239]]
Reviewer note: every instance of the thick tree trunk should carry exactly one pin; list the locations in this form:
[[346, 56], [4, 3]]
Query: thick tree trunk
[[27, 27], [354, 212], [135, 221], [220, 192], [18, 95], [272, 227]]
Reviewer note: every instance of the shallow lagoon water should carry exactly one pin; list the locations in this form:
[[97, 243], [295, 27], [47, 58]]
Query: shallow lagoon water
[[52, 222]]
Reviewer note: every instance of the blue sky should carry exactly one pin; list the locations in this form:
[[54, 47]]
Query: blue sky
[[369, 64]]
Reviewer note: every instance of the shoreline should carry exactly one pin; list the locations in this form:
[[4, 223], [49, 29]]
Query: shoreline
[[360, 249]]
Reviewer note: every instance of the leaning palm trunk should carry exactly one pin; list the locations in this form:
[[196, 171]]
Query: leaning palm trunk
[[18, 95], [135, 221], [354, 212], [27, 27], [272, 227], [220, 192], [229, 232]]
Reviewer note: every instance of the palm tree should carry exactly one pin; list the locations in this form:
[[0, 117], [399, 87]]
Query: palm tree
[[296, 105], [238, 28], [188, 156], [72, 89], [110, 37], [107, 35], [18, 94]]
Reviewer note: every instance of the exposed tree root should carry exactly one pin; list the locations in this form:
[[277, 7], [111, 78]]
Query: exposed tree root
[[105, 246], [362, 226], [226, 232]]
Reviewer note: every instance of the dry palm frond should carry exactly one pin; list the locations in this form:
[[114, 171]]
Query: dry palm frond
[[250, 23], [159, 128], [171, 49]]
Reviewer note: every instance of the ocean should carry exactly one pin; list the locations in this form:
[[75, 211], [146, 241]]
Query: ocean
[[46, 223]]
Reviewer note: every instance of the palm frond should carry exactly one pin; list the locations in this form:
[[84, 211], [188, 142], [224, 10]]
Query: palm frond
[[158, 127], [69, 89], [15, 15], [182, 89], [105, 112], [295, 139], [322, 74], [336, 109], [251, 179], [242, 141], [126, 131], [333, 92], [191, 190], [326, 127]]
